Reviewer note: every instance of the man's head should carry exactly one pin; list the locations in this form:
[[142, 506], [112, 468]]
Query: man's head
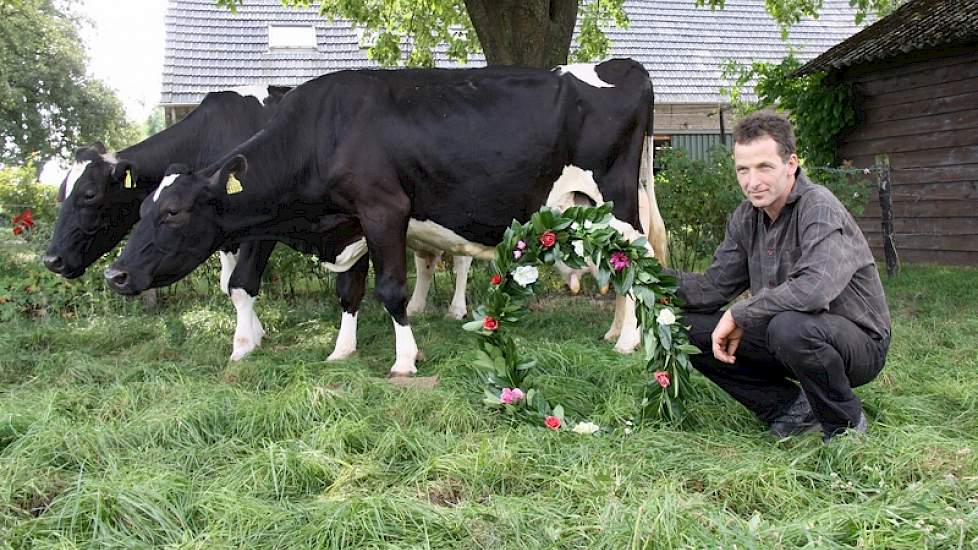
[[99, 204], [765, 160]]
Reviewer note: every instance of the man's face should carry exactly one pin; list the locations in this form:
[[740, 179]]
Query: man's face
[[764, 177]]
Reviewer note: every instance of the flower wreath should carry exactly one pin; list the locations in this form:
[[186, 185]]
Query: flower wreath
[[576, 236]]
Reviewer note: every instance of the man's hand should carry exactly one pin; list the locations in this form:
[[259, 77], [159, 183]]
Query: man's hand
[[726, 338]]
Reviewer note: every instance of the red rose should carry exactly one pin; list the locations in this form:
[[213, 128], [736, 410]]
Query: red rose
[[552, 422], [489, 323], [662, 377], [496, 279], [18, 230], [548, 239]]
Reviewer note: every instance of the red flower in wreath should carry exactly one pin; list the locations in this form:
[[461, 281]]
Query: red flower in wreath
[[548, 239], [662, 377], [496, 279], [490, 323], [552, 422]]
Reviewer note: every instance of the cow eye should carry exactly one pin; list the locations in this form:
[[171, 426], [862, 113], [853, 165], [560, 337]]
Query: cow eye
[[89, 195], [171, 213]]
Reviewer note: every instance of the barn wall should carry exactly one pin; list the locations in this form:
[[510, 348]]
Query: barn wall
[[922, 111]]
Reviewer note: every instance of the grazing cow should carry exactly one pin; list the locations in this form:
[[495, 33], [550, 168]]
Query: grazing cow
[[428, 158]]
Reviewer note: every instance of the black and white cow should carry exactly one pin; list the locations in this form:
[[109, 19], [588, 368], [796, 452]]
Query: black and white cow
[[443, 159]]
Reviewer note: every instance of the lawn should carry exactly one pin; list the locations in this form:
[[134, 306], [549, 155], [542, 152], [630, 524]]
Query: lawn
[[120, 428]]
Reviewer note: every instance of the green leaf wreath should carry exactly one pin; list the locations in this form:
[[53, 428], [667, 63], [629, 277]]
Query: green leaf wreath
[[575, 237]]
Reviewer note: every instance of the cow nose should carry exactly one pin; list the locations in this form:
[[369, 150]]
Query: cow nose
[[117, 278], [54, 263]]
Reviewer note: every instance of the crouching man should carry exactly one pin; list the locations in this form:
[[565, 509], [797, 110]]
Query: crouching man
[[816, 323]]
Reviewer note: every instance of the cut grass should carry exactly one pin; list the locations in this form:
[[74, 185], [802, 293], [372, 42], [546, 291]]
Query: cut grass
[[125, 429]]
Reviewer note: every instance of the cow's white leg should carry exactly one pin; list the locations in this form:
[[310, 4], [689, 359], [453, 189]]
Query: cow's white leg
[[406, 350], [630, 336], [228, 261], [248, 333], [458, 307], [424, 265], [346, 340], [615, 331]]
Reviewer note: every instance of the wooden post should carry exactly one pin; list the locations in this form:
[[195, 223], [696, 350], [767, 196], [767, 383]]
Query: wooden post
[[886, 205]]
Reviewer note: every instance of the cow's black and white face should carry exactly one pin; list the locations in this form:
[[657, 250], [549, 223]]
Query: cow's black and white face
[[178, 230], [98, 209]]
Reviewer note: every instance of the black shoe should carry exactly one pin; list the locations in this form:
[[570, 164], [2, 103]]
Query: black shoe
[[797, 420], [860, 428]]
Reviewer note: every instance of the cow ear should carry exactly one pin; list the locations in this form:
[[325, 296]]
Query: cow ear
[[100, 147], [230, 176], [122, 173]]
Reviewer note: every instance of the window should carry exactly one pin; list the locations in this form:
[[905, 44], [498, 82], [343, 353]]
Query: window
[[291, 38]]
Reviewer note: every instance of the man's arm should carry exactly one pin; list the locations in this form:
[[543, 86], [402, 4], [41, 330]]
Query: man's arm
[[725, 279], [825, 266]]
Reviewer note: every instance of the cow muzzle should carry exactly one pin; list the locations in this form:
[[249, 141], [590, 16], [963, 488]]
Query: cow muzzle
[[119, 281], [54, 263]]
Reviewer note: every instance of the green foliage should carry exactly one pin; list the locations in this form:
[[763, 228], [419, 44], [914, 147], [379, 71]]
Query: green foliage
[[19, 190], [789, 12], [695, 197], [48, 105], [576, 237], [592, 43]]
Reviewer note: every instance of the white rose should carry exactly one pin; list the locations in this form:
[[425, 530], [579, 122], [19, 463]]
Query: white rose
[[575, 226], [525, 275], [588, 224], [586, 428], [666, 317], [578, 247]]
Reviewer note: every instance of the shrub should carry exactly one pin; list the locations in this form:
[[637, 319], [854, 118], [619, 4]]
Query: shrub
[[20, 190]]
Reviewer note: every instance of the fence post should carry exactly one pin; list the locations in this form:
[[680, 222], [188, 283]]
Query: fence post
[[886, 205]]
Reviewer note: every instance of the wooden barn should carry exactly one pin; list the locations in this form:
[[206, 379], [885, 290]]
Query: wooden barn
[[915, 74]]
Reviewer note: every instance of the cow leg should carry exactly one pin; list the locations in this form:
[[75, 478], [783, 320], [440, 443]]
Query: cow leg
[[350, 287], [424, 267], [385, 226], [228, 262], [458, 307], [244, 284], [630, 336], [615, 331]]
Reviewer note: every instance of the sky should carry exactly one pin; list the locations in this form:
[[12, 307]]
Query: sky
[[125, 50]]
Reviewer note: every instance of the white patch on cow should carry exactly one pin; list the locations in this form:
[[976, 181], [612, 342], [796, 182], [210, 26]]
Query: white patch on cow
[[406, 350], [428, 236], [573, 180], [348, 257], [346, 340], [167, 181], [458, 306], [110, 158], [228, 262], [258, 91], [585, 73], [424, 268], [248, 333], [76, 171]]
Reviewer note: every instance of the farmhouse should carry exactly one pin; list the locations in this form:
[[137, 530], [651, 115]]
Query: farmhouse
[[915, 77], [683, 47]]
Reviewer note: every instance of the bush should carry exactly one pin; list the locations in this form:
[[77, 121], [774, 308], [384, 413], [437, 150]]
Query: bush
[[695, 198], [19, 191]]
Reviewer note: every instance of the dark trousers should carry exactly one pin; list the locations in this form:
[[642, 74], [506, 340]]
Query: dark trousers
[[826, 354]]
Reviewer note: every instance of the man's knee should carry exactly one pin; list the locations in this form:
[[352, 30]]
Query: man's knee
[[792, 336]]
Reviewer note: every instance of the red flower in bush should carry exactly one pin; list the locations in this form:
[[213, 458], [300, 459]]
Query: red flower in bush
[[18, 230], [496, 279], [662, 377], [489, 323], [23, 221], [552, 422], [548, 239]]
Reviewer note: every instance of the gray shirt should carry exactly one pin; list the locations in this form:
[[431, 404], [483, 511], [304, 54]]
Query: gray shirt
[[812, 258]]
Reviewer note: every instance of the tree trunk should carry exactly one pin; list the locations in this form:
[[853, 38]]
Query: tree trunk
[[532, 33]]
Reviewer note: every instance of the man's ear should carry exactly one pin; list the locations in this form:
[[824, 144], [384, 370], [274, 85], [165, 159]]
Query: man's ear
[[230, 175], [123, 172]]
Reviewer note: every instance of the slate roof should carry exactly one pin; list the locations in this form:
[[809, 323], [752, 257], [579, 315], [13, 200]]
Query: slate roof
[[916, 25], [684, 47]]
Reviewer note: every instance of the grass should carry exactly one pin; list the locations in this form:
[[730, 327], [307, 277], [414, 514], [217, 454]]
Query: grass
[[120, 428]]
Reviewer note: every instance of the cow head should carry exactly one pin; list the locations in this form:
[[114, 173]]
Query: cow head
[[99, 204], [178, 229]]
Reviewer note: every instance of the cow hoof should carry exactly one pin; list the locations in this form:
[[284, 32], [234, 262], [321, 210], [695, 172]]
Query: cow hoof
[[604, 290], [419, 357], [414, 310], [242, 347], [455, 314], [612, 334], [341, 354], [626, 344], [403, 367]]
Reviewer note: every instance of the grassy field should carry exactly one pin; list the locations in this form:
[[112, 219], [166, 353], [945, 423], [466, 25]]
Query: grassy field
[[125, 429]]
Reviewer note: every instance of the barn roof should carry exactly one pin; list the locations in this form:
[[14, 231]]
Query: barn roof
[[916, 25], [684, 47]]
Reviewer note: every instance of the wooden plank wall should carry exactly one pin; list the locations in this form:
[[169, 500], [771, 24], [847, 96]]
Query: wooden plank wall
[[922, 111]]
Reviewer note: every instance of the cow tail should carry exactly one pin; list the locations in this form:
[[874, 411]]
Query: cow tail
[[652, 224]]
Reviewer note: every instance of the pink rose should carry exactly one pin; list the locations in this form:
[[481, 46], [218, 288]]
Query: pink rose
[[511, 396], [548, 239], [521, 245], [552, 422], [489, 323], [662, 377], [517, 254]]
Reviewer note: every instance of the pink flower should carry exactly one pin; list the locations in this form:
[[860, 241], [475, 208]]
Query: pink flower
[[521, 245], [548, 239], [489, 323], [619, 260], [517, 254], [552, 422], [662, 377], [510, 396]]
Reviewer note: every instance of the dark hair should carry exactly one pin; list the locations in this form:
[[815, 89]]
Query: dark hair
[[762, 124]]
